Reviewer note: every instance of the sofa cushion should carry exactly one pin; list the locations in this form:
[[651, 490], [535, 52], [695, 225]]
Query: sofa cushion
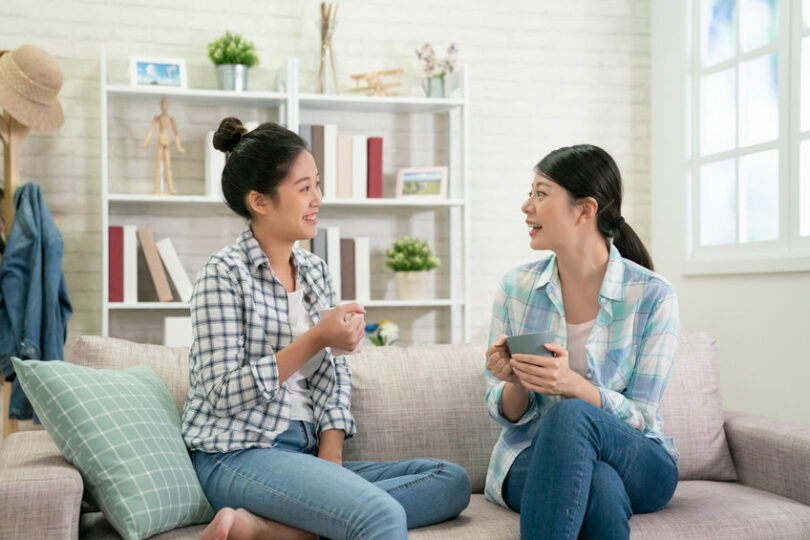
[[170, 363], [121, 430], [693, 413], [423, 401]]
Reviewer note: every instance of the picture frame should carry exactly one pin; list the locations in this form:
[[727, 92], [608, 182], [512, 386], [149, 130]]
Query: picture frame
[[150, 71], [422, 182]]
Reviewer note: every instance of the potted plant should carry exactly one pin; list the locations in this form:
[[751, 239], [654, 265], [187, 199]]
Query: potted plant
[[232, 55], [436, 69], [411, 259]]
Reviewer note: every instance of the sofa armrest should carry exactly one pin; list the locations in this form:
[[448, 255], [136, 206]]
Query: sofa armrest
[[770, 454], [40, 492]]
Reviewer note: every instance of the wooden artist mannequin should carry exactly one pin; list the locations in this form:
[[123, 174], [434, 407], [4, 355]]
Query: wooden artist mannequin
[[162, 155]]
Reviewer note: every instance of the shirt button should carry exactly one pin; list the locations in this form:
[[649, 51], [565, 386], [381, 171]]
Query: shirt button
[[588, 375]]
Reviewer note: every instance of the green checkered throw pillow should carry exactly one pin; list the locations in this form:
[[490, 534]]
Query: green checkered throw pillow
[[121, 430]]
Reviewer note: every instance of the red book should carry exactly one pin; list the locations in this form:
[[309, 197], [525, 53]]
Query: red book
[[375, 177], [116, 262]]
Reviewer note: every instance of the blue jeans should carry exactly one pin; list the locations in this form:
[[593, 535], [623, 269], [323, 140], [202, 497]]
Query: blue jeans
[[290, 484], [585, 474]]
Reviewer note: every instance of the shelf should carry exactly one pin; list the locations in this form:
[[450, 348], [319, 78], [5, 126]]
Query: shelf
[[334, 203], [393, 104], [204, 95], [369, 303], [163, 199]]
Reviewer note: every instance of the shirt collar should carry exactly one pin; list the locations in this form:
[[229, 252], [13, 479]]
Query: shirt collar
[[611, 284]]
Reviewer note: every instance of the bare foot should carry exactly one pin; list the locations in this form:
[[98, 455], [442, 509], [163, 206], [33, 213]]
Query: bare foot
[[240, 524]]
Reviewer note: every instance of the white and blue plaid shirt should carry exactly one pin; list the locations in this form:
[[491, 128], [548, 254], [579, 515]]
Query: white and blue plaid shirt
[[630, 350], [240, 319]]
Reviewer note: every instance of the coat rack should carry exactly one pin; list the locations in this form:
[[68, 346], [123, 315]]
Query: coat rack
[[12, 133]]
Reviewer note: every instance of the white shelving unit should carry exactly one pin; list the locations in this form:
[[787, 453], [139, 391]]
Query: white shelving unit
[[289, 104]]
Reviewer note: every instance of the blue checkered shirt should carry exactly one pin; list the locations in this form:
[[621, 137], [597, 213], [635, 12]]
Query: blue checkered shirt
[[630, 350], [240, 319]]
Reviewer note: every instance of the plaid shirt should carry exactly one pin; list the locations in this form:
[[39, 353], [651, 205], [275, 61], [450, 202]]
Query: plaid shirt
[[240, 318], [630, 350]]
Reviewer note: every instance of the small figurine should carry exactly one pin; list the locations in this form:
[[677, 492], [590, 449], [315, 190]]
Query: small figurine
[[375, 83], [163, 155]]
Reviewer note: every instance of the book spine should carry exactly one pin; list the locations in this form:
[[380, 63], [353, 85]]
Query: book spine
[[319, 244], [329, 173], [214, 163], [175, 269], [347, 291], [359, 167], [130, 264], [375, 175], [156, 270], [116, 263], [344, 166], [362, 271], [317, 154], [333, 258]]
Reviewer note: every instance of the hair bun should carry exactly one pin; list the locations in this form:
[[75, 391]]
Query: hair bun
[[228, 134]]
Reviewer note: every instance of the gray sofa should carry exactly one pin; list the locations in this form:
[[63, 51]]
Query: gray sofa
[[742, 476]]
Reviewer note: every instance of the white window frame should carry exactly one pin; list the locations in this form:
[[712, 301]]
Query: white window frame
[[790, 252]]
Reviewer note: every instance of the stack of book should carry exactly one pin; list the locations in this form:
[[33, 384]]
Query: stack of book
[[161, 260], [348, 262], [350, 166]]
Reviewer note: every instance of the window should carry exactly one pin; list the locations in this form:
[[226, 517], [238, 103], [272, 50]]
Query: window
[[750, 147]]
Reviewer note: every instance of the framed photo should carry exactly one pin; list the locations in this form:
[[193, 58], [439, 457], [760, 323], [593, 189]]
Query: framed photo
[[424, 182], [150, 71]]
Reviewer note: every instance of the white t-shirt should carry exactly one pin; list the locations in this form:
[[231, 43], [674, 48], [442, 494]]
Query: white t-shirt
[[577, 337], [297, 384]]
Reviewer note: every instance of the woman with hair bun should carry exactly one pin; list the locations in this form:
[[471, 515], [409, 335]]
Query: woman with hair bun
[[582, 446], [268, 406]]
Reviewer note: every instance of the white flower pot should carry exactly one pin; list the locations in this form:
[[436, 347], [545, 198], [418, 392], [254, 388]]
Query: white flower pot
[[412, 285]]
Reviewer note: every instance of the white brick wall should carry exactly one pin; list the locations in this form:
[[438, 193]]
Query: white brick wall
[[545, 74]]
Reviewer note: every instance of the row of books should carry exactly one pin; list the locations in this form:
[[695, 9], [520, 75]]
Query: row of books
[[348, 262], [350, 166], [161, 260]]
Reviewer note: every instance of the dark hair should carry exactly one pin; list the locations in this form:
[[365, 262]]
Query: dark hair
[[585, 170], [256, 161]]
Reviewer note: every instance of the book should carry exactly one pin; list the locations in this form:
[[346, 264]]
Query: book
[[347, 269], [362, 271], [333, 258], [316, 133], [182, 284], [319, 244], [305, 132], [150, 253], [344, 166], [329, 173], [374, 172], [115, 243], [177, 332], [359, 166], [130, 264], [214, 163]]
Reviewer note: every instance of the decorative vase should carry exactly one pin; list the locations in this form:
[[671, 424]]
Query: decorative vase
[[327, 75], [434, 87], [232, 77], [412, 285]]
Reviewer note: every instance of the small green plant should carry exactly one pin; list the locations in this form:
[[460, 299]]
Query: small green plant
[[232, 49], [410, 255]]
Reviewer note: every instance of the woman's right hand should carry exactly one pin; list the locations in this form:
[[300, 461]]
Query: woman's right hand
[[342, 327], [498, 361]]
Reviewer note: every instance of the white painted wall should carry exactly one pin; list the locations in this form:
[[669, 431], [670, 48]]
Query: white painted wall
[[760, 320]]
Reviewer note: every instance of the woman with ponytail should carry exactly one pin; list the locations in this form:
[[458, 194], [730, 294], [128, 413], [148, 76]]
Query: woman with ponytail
[[583, 447], [268, 406]]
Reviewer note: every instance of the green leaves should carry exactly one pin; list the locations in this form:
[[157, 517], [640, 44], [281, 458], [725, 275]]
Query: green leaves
[[232, 49], [409, 255]]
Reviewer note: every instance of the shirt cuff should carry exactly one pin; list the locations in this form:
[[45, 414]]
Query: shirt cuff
[[265, 372], [496, 408]]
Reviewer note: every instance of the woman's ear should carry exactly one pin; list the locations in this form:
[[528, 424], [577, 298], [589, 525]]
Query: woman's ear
[[588, 208], [258, 203]]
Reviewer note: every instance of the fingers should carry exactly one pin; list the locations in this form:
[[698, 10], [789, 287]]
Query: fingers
[[556, 348], [535, 360], [500, 342], [351, 307]]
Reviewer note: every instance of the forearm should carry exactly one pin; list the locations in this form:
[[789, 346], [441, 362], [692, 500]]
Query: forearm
[[585, 391], [296, 354], [330, 446], [514, 401]]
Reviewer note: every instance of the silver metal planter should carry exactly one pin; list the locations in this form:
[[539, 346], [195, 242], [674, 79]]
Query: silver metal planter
[[232, 77]]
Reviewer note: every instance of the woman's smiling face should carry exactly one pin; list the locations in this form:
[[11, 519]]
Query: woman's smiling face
[[550, 214]]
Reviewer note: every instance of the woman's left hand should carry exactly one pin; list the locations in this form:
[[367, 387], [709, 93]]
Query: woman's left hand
[[550, 376]]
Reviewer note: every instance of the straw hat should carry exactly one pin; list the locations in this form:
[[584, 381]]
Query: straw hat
[[30, 79]]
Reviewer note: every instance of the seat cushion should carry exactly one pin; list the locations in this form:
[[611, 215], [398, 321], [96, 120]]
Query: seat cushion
[[702, 509], [693, 411], [121, 430]]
